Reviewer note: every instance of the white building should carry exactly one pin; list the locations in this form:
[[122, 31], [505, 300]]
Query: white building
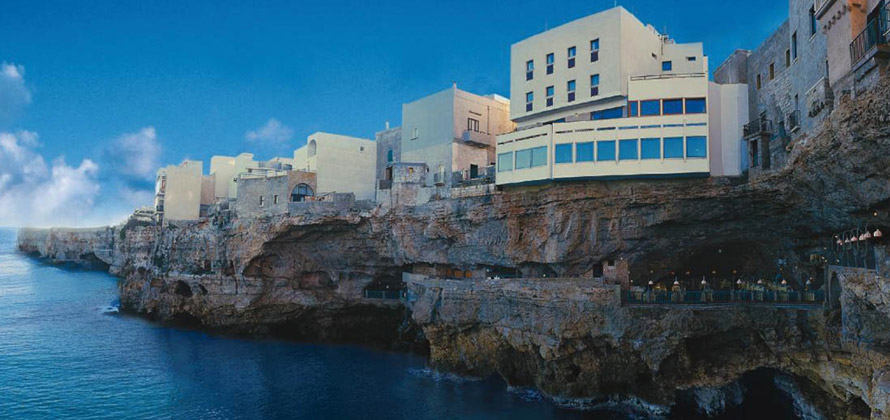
[[178, 191], [227, 169], [631, 104], [453, 132], [342, 164]]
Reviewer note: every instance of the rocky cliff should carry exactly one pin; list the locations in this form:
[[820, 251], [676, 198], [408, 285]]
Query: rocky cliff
[[304, 275]]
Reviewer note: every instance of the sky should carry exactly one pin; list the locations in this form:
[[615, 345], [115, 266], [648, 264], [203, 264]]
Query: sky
[[96, 95]]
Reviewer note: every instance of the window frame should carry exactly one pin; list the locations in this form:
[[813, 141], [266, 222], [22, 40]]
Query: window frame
[[585, 144], [667, 65], [664, 110], [664, 147], [530, 70], [650, 101], [561, 148], [704, 140], [648, 140], [549, 60], [614, 150], [686, 106], [471, 123], [571, 52], [633, 109], [636, 149], [504, 155], [543, 158], [571, 87]]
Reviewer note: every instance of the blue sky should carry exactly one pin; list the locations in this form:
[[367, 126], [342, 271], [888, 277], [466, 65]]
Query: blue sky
[[204, 74]]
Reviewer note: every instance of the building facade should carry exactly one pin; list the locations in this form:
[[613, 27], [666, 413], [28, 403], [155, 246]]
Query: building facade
[[178, 191], [857, 35], [647, 111], [342, 164], [226, 170], [389, 153], [269, 195], [453, 133]]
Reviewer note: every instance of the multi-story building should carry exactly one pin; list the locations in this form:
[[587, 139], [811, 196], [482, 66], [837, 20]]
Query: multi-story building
[[389, 153], [858, 41], [178, 191], [453, 133], [342, 164], [226, 170], [632, 104]]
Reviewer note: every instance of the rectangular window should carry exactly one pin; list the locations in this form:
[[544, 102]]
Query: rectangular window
[[262, 201], [794, 46], [550, 63], [570, 88], [539, 156], [772, 71], [549, 95], [584, 152], [696, 105], [530, 70], [673, 147], [524, 159], [275, 199], [505, 162], [605, 150], [650, 108], [691, 58], [607, 114], [563, 153], [650, 148], [571, 53], [667, 66], [594, 84], [787, 58], [633, 109], [697, 147], [673, 106], [627, 150], [529, 100], [472, 124], [758, 82], [594, 50], [813, 23]]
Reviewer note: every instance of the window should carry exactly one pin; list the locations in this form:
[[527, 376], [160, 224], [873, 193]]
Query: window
[[530, 70], [633, 109], [300, 192], [539, 156], [650, 108], [594, 50], [594, 84], [416, 133], [505, 162], [673, 106], [667, 66], [275, 199], [772, 71], [524, 159], [673, 148], [787, 58], [529, 99], [563, 153], [794, 46], [262, 201], [389, 156], [550, 63], [696, 105], [758, 82], [608, 114], [813, 23], [584, 152], [650, 148], [570, 87], [472, 124], [549, 95], [627, 150], [605, 150], [696, 147], [312, 148], [691, 58], [571, 53]]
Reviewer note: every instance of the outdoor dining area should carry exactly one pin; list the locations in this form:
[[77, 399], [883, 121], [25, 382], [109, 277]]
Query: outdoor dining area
[[742, 291]]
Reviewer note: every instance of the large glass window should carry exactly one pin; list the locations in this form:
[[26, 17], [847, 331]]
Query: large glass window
[[649, 108], [673, 147], [549, 91], [696, 105], [673, 106], [605, 150], [524, 159], [539, 156], [697, 147], [563, 153], [650, 148], [584, 152], [633, 109], [627, 150], [608, 114], [505, 162]]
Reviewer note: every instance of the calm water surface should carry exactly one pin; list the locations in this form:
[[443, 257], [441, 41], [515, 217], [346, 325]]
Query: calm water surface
[[65, 353]]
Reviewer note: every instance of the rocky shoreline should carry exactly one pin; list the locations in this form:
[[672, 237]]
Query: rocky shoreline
[[304, 277]]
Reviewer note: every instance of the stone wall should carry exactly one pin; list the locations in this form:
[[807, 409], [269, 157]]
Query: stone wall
[[269, 196], [388, 140]]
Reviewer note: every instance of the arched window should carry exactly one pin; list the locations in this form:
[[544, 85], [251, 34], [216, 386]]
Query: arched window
[[300, 192], [389, 156], [312, 148]]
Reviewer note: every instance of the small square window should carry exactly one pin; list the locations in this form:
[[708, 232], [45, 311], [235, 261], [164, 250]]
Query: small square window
[[584, 152], [605, 150], [691, 58], [696, 105], [650, 148], [667, 66], [563, 153], [673, 148], [628, 150]]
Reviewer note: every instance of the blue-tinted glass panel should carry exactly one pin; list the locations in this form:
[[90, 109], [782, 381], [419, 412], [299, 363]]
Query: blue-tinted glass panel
[[633, 109], [563, 153], [673, 106], [530, 65], [505, 162], [650, 148], [594, 45], [550, 58], [570, 86], [627, 150], [571, 52], [697, 147], [584, 152], [649, 108], [696, 105], [549, 90], [529, 97], [608, 114], [605, 150], [594, 80], [667, 66], [673, 147], [524, 159], [539, 156]]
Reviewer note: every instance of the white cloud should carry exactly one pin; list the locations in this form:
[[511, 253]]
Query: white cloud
[[135, 154], [33, 193], [273, 132], [14, 94]]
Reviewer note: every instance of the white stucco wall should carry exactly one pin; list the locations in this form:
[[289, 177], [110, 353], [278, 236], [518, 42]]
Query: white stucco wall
[[428, 129], [224, 169], [342, 164], [728, 113], [182, 194]]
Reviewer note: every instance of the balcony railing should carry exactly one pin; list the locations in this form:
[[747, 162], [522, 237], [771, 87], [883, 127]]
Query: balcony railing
[[477, 138], [758, 127], [874, 34], [794, 121]]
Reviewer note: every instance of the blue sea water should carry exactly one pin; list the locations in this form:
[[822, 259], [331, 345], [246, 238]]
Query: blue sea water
[[66, 353]]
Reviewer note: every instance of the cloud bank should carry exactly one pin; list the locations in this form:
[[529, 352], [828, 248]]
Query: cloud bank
[[14, 94], [271, 132]]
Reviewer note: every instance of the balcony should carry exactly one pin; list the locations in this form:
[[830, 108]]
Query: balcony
[[439, 178], [477, 138], [794, 121], [759, 127], [876, 32]]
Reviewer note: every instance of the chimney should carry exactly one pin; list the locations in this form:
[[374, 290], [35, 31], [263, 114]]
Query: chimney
[[387, 125]]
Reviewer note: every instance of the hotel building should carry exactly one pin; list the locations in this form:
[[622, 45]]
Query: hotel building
[[608, 97]]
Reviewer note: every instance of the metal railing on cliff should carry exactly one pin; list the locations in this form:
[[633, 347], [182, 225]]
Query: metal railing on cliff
[[692, 297]]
